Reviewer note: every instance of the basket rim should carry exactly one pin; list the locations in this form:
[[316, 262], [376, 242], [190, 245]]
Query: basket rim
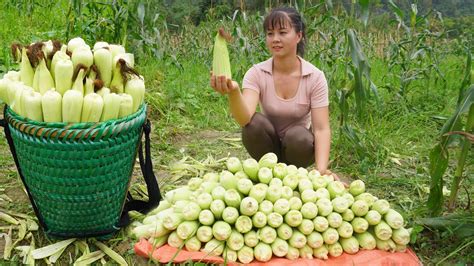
[[82, 130]]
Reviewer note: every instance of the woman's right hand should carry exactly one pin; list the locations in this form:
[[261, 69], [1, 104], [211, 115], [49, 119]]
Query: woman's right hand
[[223, 85]]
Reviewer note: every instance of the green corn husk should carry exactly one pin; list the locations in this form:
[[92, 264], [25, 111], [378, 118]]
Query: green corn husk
[[221, 230], [315, 240], [386, 245], [330, 236], [284, 231], [174, 240], [394, 219], [214, 247], [274, 219], [220, 58], [297, 240], [350, 245], [293, 253], [366, 240], [245, 254], [112, 254], [230, 215], [187, 229], [401, 236], [335, 249], [204, 233], [259, 219], [263, 252], [235, 240], [321, 252], [306, 252], [267, 234], [47, 251], [281, 206], [251, 239], [206, 217], [279, 247], [193, 244]]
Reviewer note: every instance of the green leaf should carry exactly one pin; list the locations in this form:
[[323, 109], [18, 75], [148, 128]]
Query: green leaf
[[364, 5], [141, 13], [454, 123], [467, 74], [461, 225], [396, 9], [413, 14], [438, 165], [329, 5], [439, 155]]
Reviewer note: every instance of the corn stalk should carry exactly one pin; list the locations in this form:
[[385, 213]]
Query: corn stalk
[[439, 155]]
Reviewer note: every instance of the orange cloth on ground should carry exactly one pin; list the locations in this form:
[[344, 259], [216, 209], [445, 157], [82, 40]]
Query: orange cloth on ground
[[374, 257]]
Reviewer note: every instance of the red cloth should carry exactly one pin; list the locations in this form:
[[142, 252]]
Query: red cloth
[[374, 257]]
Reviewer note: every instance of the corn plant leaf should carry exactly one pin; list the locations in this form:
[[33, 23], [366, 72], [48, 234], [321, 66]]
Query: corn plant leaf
[[89, 258], [413, 14], [364, 5], [453, 123], [398, 12], [467, 75], [352, 136], [438, 165], [439, 155], [7, 218], [53, 258], [462, 225], [141, 13], [7, 251], [47, 251], [329, 4], [112, 254], [399, 15]]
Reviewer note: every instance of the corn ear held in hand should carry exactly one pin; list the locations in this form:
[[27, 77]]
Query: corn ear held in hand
[[220, 60]]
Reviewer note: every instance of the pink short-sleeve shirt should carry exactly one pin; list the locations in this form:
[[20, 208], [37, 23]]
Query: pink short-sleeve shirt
[[286, 113]]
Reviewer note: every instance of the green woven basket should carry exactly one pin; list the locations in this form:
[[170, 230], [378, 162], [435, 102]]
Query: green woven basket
[[77, 174]]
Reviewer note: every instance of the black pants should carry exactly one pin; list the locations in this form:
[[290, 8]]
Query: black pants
[[297, 146]]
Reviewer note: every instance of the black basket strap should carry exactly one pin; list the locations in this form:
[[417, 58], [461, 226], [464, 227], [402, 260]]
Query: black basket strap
[[154, 194], [4, 124]]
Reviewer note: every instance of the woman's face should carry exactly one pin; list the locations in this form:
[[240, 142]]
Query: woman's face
[[282, 41]]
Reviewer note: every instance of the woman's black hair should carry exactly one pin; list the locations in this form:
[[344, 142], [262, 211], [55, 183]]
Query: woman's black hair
[[280, 16]]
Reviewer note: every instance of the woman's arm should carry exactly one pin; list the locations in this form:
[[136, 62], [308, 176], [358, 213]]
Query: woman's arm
[[242, 104], [322, 137]]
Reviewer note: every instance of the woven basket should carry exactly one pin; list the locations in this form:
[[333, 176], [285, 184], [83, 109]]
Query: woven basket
[[78, 174]]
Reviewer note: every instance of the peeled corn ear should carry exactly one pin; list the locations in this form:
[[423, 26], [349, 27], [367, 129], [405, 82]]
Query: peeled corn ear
[[51, 103], [26, 70], [92, 108], [220, 60], [111, 106], [32, 105], [72, 106], [136, 88]]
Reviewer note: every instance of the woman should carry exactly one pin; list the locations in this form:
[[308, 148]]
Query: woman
[[293, 96]]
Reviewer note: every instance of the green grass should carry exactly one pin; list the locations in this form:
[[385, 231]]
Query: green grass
[[189, 119]]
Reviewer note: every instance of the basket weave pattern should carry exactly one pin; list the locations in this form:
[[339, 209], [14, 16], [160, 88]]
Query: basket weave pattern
[[78, 175]]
